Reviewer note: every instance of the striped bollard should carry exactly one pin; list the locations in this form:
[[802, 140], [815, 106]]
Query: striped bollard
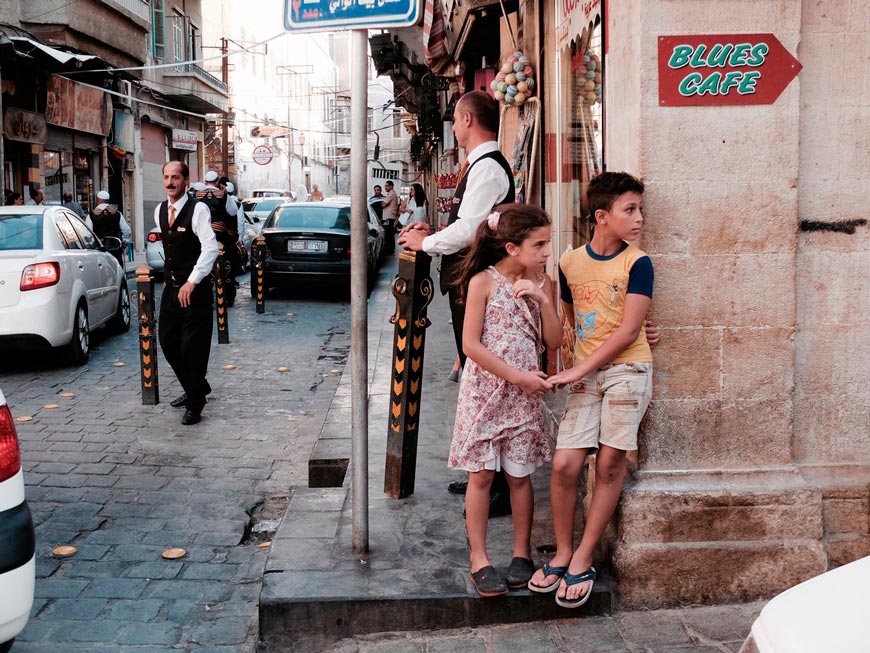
[[413, 290], [258, 282], [223, 327], [147, 337]]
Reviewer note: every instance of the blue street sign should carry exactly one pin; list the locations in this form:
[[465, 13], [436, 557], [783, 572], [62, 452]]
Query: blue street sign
[[323, 15]]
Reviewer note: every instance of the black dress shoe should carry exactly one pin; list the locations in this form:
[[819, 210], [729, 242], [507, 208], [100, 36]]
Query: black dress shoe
[[457, 487], [179, 402], [191, 417]]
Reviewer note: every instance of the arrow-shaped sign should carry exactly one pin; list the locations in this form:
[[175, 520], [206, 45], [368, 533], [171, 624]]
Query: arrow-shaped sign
[[722, 69]]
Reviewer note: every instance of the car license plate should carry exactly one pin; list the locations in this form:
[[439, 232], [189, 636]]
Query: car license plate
[[306, 246]]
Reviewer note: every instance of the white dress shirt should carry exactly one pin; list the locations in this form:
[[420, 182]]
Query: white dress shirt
[[486, 187], [201, 223]]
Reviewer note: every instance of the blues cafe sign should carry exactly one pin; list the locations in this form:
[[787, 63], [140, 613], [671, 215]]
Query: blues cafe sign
[[723, 69]]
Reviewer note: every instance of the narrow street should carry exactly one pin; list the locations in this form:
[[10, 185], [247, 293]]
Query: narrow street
[[123, 482]]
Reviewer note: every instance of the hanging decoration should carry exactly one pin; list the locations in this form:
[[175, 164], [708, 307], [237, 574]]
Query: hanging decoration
[[514, 82], [588, 72]]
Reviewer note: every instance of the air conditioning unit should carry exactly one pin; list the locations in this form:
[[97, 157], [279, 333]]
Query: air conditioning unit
[[126, 89]]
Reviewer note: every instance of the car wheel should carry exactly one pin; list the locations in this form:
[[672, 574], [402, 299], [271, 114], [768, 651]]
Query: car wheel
[[79, 348], [121, 321]]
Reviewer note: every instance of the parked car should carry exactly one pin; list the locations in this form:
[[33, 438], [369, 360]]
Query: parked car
[[58, 281], [825, 613], [311, 241], [288, 195], [17, 539]]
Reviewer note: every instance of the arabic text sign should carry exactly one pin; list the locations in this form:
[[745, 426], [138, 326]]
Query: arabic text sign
[[719, 69], [313, 15]]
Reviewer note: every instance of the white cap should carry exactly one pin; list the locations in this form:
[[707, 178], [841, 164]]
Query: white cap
[[103, 195], [211, 175], [230, 188]]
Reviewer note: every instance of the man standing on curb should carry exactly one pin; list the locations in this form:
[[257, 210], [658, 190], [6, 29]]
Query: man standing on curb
[[186, 320], [486, 181]]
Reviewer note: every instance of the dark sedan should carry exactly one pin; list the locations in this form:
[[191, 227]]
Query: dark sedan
[[311, 241]]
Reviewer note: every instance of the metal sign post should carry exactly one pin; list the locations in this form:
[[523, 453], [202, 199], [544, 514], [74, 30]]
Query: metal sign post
[[359, 89]]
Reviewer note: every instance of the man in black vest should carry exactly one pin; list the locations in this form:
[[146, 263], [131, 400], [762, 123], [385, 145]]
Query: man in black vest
[[190, 251], [486, 182]]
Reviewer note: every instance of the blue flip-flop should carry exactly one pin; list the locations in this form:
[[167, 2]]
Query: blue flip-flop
[[549, 571], [576, 579]]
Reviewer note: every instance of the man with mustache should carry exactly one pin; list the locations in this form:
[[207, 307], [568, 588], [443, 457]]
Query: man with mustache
[[191, 250]]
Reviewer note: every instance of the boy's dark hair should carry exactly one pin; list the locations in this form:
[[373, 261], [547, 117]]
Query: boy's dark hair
[[185, 170], [606, 187], [483, 107], [515, 223], [34, 191]]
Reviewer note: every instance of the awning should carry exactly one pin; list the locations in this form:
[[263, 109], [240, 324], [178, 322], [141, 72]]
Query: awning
[[435, 45], [573, 17], [26, 46]]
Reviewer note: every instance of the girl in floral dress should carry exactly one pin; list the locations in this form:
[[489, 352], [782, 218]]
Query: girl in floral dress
[[509, 317]]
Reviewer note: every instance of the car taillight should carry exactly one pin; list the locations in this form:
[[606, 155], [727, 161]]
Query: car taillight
[[40, 275], [10, 456], [155, 237]]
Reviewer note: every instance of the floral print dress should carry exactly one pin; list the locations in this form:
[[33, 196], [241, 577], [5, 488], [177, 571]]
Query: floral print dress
[[496, 420]]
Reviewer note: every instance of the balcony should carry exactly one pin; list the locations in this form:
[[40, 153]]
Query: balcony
[[196, 90], [139, 8]]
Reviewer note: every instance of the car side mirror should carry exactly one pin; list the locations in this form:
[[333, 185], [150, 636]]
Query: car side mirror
[[256, 219], [112, 244]]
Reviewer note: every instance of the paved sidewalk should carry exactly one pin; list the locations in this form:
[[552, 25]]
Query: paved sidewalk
[[416, 573]]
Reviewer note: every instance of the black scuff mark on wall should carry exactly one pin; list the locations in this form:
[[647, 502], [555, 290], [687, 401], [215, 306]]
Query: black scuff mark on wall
[[843, 227]]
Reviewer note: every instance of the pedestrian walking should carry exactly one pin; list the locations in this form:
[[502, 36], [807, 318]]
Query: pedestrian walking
[[606, 289], [509, 317], [37, 197], [74, 206], [186, 319], [224, 222], [486, 180], [316, 195], [390, 204]]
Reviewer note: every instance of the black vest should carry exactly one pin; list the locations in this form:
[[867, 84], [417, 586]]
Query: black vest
[[181, 246], [106, 224], [218, 208], [450, 263]]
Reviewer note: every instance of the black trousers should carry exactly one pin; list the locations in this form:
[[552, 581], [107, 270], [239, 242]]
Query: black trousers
[[457, 313], [185, 338]]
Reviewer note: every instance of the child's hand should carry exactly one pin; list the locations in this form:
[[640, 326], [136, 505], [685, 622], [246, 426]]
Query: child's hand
[[653, 333], [533, 383], [527, 288], [564, 377]]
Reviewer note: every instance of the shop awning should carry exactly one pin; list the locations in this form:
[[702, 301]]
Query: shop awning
[[26, 46], [435, 44]]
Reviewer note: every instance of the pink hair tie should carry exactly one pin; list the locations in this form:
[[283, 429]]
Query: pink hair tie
[[492, 220]]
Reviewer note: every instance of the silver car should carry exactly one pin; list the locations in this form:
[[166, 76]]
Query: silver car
[[58, 281]]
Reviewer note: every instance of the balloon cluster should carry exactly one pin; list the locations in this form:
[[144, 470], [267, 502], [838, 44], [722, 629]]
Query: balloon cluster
[[589, 78], [514, 83]]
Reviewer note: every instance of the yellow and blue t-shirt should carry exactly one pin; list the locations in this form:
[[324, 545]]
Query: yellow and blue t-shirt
[[596, 287]]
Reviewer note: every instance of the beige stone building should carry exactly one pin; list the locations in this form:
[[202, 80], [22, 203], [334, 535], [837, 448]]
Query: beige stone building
[[754, 465]]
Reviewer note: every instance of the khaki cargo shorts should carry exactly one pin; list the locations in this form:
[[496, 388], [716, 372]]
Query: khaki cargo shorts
[[606, 407]]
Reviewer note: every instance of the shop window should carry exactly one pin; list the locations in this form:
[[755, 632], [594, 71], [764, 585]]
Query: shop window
[[584, 127], [85, 171], [58, 174]]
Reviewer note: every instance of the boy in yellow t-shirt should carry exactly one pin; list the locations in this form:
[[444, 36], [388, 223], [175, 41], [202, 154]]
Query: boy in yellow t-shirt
[[606, 288]]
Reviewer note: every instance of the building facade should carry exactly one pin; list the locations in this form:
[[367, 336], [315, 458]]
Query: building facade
[[753, 471]]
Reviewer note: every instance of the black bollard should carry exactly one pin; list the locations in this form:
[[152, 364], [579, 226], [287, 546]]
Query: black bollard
[[147, 337], [258, 289], [220, 270], [413, 290]]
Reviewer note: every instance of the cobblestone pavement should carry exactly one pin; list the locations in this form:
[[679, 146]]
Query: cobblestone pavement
[[713, 629], [123, 482]]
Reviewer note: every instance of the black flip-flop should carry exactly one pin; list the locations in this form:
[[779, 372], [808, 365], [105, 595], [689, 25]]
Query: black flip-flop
[[488, 582]]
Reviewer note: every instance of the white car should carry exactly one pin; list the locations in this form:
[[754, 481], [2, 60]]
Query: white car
[[17, 539], [58, 281]]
